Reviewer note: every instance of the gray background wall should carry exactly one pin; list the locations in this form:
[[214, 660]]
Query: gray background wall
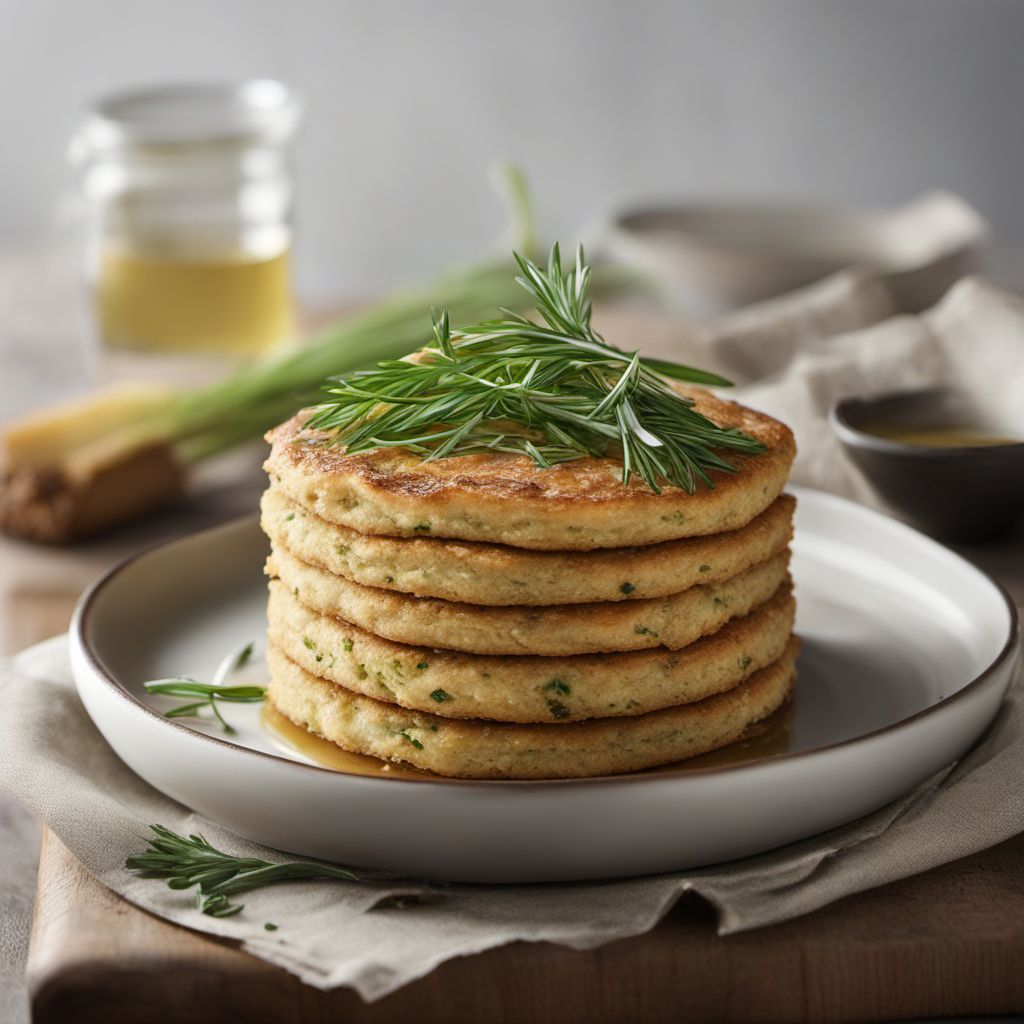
[[602, 102]]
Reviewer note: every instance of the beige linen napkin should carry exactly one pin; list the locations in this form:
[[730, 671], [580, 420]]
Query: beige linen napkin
[[338, 933], [973, 340]]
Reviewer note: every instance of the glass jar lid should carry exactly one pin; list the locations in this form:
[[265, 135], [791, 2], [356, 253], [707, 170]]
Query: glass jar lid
[[261, 110]]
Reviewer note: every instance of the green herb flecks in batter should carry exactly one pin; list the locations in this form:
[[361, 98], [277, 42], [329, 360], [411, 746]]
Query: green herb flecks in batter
[[553, 390], [558, 709], [558, 686]]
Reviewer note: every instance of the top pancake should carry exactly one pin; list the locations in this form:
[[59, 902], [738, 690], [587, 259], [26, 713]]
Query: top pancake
[[507, 499]]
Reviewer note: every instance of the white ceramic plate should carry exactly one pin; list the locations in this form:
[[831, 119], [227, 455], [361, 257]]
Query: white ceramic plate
[[908, 652]]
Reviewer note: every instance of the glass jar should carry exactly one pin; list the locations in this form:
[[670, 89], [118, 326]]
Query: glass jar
[[188, 204]]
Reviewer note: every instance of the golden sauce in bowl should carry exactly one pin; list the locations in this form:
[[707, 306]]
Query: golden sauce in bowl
[[939, 437], [942, 463]]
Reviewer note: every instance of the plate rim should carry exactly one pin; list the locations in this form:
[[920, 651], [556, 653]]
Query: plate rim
[[78, 632]]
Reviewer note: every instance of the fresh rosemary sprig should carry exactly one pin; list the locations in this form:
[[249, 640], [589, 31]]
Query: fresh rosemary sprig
[[554, 391], [210, 693], [185, 862]]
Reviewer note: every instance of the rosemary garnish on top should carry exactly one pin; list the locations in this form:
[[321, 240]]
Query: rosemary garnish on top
[[552, 390]]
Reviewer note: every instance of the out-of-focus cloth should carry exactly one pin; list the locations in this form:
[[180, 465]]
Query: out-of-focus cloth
[[795, 355]]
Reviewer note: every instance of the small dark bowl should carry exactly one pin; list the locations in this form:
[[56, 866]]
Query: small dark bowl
[[957, 494]]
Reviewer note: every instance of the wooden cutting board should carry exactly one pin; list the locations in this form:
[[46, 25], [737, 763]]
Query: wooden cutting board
[[947, 943]]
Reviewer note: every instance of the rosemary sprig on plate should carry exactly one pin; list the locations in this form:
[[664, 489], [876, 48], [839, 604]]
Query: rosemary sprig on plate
[[188, 861], [210, 693], [552, 390]]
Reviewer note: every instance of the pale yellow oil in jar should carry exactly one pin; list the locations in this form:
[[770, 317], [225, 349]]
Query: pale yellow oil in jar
[[188, 198], [234, 305]]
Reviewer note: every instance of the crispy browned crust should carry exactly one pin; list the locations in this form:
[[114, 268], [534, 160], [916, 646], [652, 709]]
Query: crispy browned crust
[[507, 499]]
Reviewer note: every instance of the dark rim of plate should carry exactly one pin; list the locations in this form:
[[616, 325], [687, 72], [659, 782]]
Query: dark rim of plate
[[80, 631]]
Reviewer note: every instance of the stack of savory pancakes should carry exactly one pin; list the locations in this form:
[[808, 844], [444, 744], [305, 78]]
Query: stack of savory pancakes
[[482, 617]]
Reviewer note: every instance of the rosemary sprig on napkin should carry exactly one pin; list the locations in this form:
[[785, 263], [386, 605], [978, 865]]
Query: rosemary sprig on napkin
[[185, 862], [210, 693], [554, 391]]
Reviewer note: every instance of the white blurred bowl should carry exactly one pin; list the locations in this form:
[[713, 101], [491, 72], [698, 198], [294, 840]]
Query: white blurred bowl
[[716, 257]]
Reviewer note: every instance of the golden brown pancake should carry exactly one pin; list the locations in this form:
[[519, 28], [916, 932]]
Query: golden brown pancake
[[553, 630], [504, 498], [490, 750], [527, 688], [492, 574]]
